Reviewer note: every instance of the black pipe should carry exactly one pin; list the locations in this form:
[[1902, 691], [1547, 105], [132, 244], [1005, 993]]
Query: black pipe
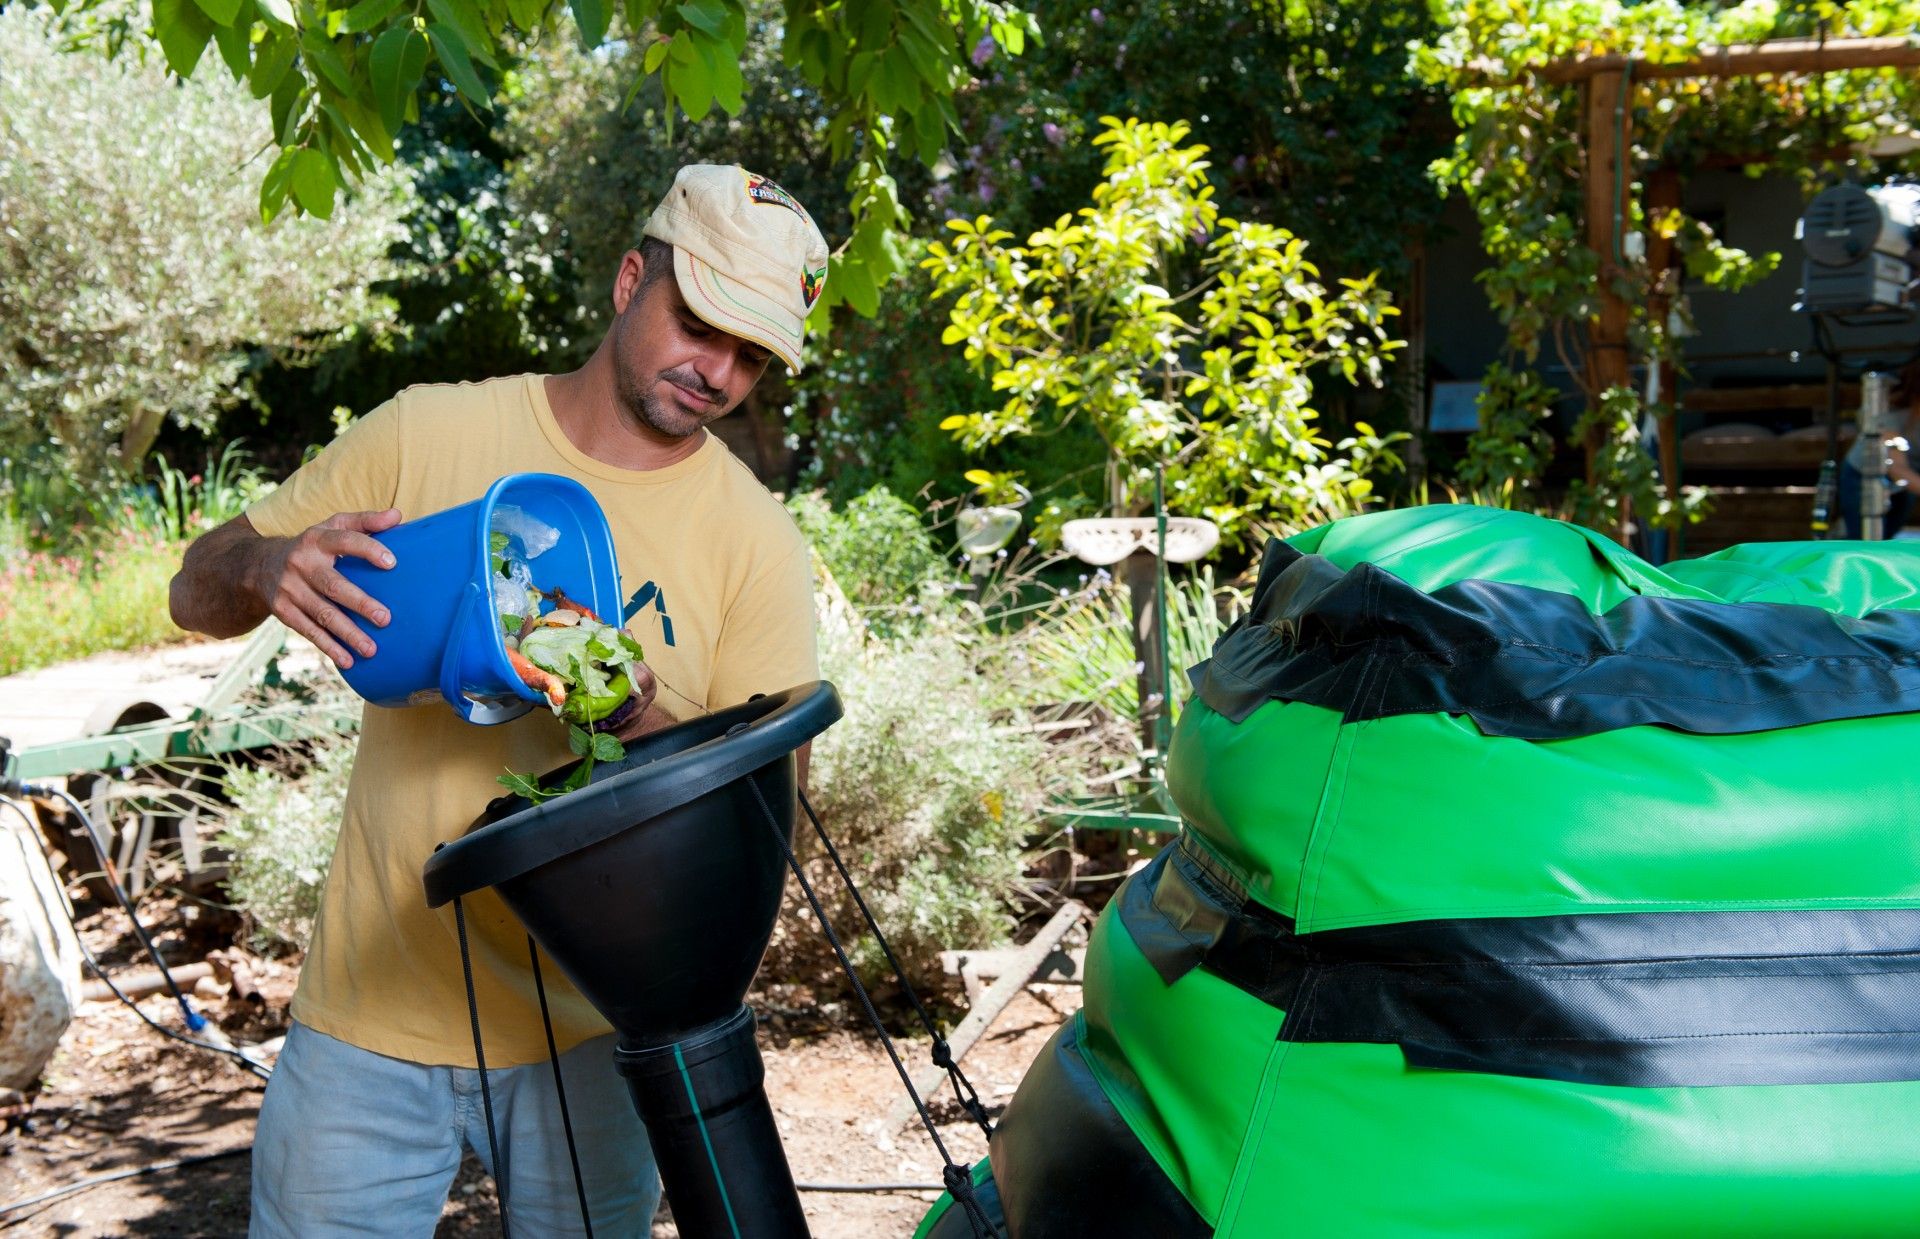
[[713, 1133]]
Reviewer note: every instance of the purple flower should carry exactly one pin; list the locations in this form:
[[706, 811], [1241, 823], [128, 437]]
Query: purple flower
[[985, 190], [1053, 133], [1239, 163], [1014, 163], [1036, 182], [983, 51], [1096, 17]]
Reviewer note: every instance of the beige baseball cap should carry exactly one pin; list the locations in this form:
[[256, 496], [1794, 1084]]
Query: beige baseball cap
[[747, 256]]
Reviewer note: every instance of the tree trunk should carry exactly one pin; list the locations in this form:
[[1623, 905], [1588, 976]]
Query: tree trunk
[[143, 427]]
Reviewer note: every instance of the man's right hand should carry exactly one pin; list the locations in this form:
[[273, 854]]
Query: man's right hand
[[232, 579], [298, 584]]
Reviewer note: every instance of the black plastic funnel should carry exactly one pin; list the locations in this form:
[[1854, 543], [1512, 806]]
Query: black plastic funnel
[[655, 889]]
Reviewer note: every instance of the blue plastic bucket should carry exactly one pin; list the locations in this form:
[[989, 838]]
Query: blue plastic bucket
[[444, 639]]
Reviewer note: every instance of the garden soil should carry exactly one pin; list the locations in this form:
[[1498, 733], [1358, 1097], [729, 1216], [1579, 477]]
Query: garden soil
[[119, 1095]]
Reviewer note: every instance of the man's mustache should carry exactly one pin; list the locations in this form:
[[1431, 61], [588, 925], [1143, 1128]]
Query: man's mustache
[[683, 377]]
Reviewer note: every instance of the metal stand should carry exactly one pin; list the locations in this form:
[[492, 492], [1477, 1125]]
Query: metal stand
[[1869, 457]]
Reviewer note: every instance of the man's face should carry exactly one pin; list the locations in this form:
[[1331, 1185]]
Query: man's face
[[674, 372]]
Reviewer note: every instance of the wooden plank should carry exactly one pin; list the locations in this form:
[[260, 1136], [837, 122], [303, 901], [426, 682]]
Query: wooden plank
[[1777, 453], [976, 968], [1745, 60], [1609, 144], [1767, 399], [1020, 969]]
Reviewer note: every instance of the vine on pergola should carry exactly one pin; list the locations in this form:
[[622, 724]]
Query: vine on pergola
[[1521, 100]]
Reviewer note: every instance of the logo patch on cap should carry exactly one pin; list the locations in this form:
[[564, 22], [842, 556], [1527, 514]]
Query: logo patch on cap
[[760, 189], [812, 284]]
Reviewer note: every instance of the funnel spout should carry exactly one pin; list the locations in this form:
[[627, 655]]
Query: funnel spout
[[713, 1133]]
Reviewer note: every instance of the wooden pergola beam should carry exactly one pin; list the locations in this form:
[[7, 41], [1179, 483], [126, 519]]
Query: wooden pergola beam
[[1744, 60]]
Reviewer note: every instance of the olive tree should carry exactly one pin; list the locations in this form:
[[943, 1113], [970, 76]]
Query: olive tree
[[137, 277], [340, 79]]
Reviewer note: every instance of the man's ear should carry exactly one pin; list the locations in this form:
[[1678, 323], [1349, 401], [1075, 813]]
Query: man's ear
[[626, 280]]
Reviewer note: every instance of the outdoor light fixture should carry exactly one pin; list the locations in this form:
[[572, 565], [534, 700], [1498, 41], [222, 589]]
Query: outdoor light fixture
[[1862, 249], [1109, 539], [984, 529]]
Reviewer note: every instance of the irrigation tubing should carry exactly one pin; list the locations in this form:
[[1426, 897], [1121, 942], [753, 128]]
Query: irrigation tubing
[[130, 1172], [251, 1064], [195, 1021], [963, 1090], [956, 1177]]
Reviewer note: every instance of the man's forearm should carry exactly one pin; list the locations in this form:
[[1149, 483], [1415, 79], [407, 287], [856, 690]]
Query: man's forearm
[[214, 590]]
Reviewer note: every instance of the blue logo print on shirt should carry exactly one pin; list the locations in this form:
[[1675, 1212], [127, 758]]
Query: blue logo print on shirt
[[650, 593]]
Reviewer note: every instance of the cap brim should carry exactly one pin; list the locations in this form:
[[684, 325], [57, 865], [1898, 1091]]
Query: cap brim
[[737, 310]]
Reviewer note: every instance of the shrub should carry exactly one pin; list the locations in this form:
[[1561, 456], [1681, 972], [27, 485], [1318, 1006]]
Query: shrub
[[281, 833], [930, 797], [877, 550]]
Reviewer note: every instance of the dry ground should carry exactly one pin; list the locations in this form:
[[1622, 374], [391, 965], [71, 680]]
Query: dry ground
[[119, 1095]]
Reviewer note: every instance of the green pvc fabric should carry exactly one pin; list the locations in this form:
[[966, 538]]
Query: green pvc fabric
[[1417, 817]]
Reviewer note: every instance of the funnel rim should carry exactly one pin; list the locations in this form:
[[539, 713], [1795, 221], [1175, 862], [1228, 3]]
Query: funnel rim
[[540, 834]]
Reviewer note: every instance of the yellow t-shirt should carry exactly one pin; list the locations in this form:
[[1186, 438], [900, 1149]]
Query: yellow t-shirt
[[726, 584]]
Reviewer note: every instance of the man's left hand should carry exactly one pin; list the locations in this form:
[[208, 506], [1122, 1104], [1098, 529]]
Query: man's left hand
[[644, 718]]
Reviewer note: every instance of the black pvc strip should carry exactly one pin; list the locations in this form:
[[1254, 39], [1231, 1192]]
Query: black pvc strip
[[1538, 665], [1640, 999]]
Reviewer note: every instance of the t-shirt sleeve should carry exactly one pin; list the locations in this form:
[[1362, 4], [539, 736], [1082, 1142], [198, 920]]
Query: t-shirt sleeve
[[767, 642], [358, 472]]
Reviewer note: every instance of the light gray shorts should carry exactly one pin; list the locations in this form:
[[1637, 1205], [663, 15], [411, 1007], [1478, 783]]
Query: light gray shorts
[[355, 1143]]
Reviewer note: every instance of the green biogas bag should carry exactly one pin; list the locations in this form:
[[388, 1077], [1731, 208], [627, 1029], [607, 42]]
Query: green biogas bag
[[1525, 890]]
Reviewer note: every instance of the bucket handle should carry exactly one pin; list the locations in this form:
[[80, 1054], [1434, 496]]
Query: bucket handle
[[482, 712]]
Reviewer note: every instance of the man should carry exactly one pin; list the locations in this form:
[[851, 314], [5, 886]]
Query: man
[[375, 1093]]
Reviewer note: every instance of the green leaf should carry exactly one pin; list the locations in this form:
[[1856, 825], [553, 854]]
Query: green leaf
[[274, 186], [524, 786], [928, 60], [854, 279], [313, 182], [930, 134], [579, 740], [288, 103], [656, 55], [606, 748], [236, 48], [368, 14], [183, 31], [459, 69], [398, 61], [367, 125], [270, 64], [591, 17], [728, 86], [280, 11], [461, 17], [320, 52], [527, 15], [689, 79], [896, 87], [223, 12], [713, 23]]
